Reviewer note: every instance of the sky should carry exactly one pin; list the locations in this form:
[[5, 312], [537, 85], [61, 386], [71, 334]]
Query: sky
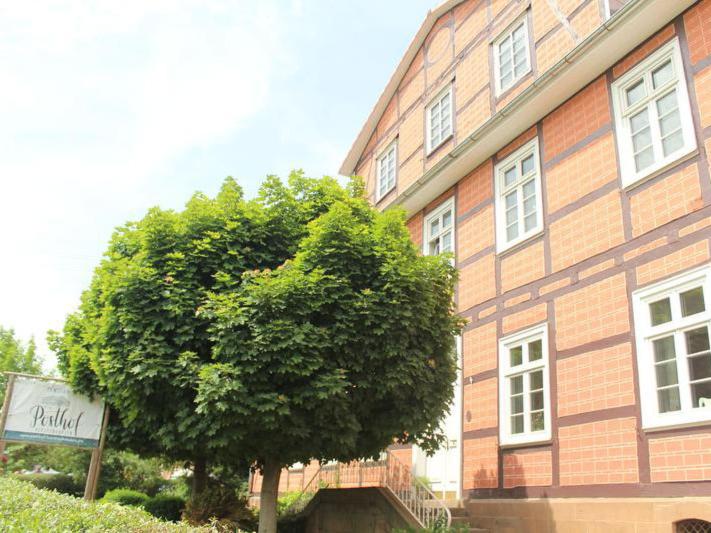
[[109, 108]]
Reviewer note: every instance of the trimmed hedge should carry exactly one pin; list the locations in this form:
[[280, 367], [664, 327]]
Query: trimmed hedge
[[165, 507], [24, 507], [60, 482], [126, 497]]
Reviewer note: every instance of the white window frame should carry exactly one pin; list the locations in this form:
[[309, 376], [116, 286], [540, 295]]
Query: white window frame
[[506, 437], [622, 112], [385, 155], [437, 100], [645, 333], [447, 205], [508, 32], [530, 148]]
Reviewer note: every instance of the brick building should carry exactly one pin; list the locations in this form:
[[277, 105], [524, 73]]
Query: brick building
[[560, 150]]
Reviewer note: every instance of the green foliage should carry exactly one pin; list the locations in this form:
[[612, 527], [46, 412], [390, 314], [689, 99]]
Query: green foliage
[[341, 351], [165, 506], [16, 357], [288, 500], [301, 324], [126, 497], [58, 482], [26, 508]]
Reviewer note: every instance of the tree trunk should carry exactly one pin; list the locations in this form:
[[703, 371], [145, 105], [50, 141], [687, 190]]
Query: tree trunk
[[199, 476], [268, 497]]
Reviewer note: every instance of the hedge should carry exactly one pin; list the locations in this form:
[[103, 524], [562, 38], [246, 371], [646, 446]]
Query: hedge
[[165, 507], [126, 497], [24, 507]]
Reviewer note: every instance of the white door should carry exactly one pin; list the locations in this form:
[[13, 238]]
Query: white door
[[443, 469]]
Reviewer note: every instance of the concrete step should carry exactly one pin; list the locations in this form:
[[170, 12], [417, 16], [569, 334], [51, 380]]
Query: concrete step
[[458, 511]]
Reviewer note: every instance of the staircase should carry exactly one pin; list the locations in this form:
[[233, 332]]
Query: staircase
[[404, 489]]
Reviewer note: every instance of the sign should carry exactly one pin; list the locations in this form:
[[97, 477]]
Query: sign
[[48, 412]]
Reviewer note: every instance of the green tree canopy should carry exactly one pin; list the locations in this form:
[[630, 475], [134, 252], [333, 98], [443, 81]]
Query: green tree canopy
[[16, 356], [301, 324]]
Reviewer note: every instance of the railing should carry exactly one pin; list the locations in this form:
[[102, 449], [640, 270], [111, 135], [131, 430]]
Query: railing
[[390, 473]]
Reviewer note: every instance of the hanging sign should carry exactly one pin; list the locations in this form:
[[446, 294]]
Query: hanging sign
[[48, 412]]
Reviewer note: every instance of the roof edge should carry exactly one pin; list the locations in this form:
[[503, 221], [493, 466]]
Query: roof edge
[[349, 164]]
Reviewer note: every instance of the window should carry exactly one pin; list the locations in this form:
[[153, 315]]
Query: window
[[439, 119], [439, 230], [518, 197], [511, 56], [524, 388], [652, 115], [672, 321], [693, 526], [387, 170], [612, 6]]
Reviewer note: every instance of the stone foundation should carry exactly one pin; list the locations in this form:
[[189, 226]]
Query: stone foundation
[[586, 515]]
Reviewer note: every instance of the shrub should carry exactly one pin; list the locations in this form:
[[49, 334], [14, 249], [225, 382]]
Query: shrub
[[60, 482], [218, 502], [24, 507], [126, 497], [165, 506]]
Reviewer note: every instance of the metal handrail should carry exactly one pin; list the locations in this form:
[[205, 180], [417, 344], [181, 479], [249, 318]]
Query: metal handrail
[[390, 473], [415, 495]]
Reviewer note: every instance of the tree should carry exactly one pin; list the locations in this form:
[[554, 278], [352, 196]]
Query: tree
[[16, 357], [141, 334], [334, 355], [301, 324]]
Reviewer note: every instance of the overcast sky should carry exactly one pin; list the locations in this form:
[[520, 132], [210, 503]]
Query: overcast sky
[[108, 108]]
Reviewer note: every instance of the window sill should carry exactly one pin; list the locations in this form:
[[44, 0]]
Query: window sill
[[501, 94], [658, 171], [508, 249], [534, 441], [678, 422], [385, 195], [433, 150]]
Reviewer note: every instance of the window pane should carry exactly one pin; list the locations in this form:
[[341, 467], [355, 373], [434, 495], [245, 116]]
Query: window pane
[[643, 159], [673, 143], [666, 374], [667, 104], [692, 301], [537, 400], [537, 422], [517, 404], [516, 356], [536, 380], [535, 350], [434, 227], [517, 385], [510, 176], [668, 400], [530, 222], [527, 165], [639, 121], [670, 123], [636, 92], [660, 312], [697, 340], [701, 394], [664, 349], [512, 232], [434, 247], [700, 367], [446, 242], [663, 74], [517, 424], [446, 219], [529, 205]]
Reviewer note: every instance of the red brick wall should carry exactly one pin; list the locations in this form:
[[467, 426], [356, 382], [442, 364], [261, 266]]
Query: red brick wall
[[600, 241]]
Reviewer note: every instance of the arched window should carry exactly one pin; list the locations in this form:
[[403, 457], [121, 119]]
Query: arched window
[[693, 526]]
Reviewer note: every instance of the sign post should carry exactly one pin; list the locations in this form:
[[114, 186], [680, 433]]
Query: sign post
[[43, 410]]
